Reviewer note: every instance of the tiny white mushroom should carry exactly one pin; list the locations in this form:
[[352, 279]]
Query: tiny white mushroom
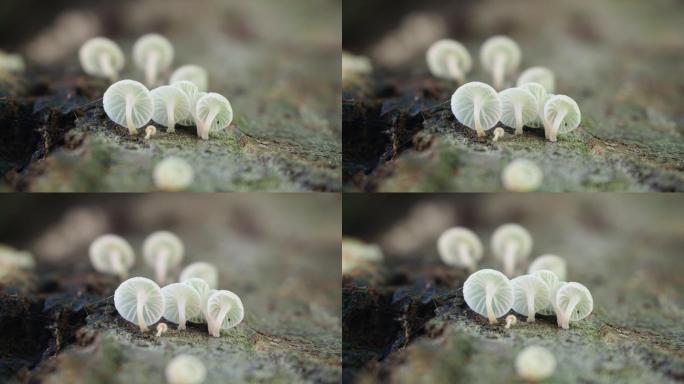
[[488, 293], [203, 270], [161, 329], [561, 115], [535, 364], [360, 255], [13, 261], [182, 302], [511, 320], [129, 104], [553, 263], [193, 73], [449, 59], [224, 311], [163, 250], [355, 67], [498, 133], [477, 106], [185, 369], [522, 175], [215, 113], [512, 244], [530, 294], [150, 131], [574, 302], [112, 255], [540, 97], [500, 55], [140, 301], [518, 108], [101, 57], [553, 283], [460, 247], [170, 105], [192, 92], [173, 174], [12, 62], [153, 53], [541, 75], [204, 292]]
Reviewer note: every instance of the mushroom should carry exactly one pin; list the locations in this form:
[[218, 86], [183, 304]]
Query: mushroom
[[460, 247], [101, 57], [111, 254], [173, 174], [215, 113], [224, 311], [150, 131], [553, 283], [182, 302], [13, 261], [153, 53], [11, 62], [204, 291], [193, 73], [161, 329], [163, 250], [477, 106], [522, 175], [488, 293], [129, 104], [535, 363], [449, 59], [518, 108], [512, 244], [540, 97], [500, 55], [203, 270], [140, 301], [185, 369], [355, 67], [561, 115], [498, 133], [360, 255], [193, 94], [553, 263], [530, 294], [540, 75], [574, 302], [510, 320], [170, 105]]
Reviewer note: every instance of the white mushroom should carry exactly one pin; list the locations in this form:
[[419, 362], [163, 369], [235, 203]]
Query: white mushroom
[[111, 254], [163, 250], [193, 94], [553, 263], [540, 75], [170, 105], [182, 302], [518, 108], [140, 301], [224, 311], [204, 292], [511, 320], [522, 175], [215, 113], [488, 293], [161, 329], [203, 270], [530, 295], [193, 73], [185, 369], [173, 174], [460, 247], [449, 59], [512, 244], [574, 302], [129, 104], [500, 55], [153, 53], [357, 254], [561, 115], [101, 57], [535, 364], [540, 97], [553, 283], [477, 106]]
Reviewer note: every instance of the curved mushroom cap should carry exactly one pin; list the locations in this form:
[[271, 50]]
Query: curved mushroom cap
[[193, 73], [173, 174], [511, 233], [463, 105], [438, 55], [205, 271], [103, 247], [215, 102], [540, 97], [114, 102], [185, 369], [226, 299], [569, 291], [204, 292], [540, 75], [523, 99], [535, 364], [553, 263], [529, 284], [500, 45], [561, 104], [163, 242], [522, 175], [153, 43], [187, 295], [475, 290], [130, 291], [449, 242], [553, 283], [92, 52], [164, 95], [192, 92]]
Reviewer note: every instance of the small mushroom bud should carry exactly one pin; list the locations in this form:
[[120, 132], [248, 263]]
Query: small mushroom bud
[[522, 175], [449, 59], [193, 73], [153, 53], [518, 108], [540, 97], [181, 303], [185, 369], [553, 283], [173, 174], [129, 104], [561, 115], [161, 329], [477, 106], [511, 320], [111, 254], [489, 293], [530, 295], [140, 301], [512, 244], [150, 131], [540, 75], [553, 263], [205, 271], [498, 133], [204, 292], [500, 55], [460, 247], [170, 105], [224, 311], [574, 302], [101, 57], [535, 364], [215, 113], [163, 250]]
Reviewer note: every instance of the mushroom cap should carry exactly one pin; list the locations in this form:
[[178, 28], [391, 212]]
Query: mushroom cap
[[561, 103], [522, 175], [203, 270], [176, 291], [474, 292], [540, 96], [185, 369], [221, 299], [204, 291], [210, 101], [194, 73], [438, 53], [553, 263], [553, 283], [126, 300], [496, 45], [193, 94], [89, 55], [511, 232], [114, 102], [99, 253], [540, 75], [448, 245], [535, 363], [173, 174], [522, 286], [153, 43], [357, 254], [462, 105], [163, 241], [571, 290], [512, 97], [168, 94]]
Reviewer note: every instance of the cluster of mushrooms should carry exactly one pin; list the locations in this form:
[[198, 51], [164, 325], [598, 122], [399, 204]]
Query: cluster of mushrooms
[[131, 104], [492, 294], [480, 107], [141, 301]]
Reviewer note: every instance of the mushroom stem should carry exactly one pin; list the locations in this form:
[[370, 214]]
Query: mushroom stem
[[509, 258], [130, 101], [517, 108], [454, 69], [139, 311], [117, 264], [464, 254], [151, 68], [565, 321], [555, 126], [216, 331], [160, 266], [107, 68], [171, 123], [181, 313], [488, 303], [477, 106], [530, 307], [498, 70], [208, 122]]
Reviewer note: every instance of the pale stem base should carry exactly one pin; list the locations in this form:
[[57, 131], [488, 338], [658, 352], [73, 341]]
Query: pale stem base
[[139, 311], [107, 68], [509, 258], [477, 108], [118, 265], [466, 258], [208, 123], [555, 126], [151, 69], [181, 313], [530, 307], [171, 117], [161, 266], [132, 129], [488, 303], [518, 119], [499, 70], [565, 321], [454, 69]]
